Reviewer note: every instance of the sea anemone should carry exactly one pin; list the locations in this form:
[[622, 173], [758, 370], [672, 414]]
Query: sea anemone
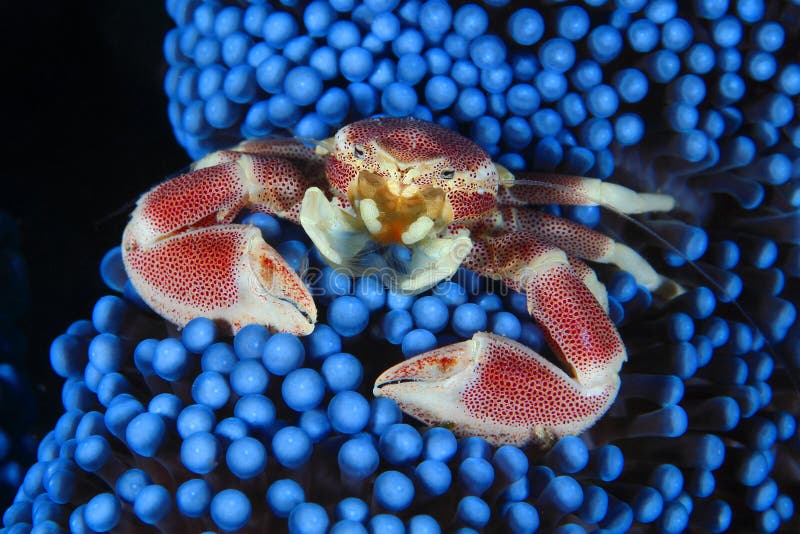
[[192, 430]]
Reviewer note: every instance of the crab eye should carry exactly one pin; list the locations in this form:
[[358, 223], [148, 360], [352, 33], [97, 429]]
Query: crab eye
[[448, 174], [358, 151]]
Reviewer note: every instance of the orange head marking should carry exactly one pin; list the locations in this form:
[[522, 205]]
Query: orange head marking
[[415, 176]]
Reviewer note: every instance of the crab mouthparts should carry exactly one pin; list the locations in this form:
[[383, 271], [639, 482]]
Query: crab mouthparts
[[396, 213]]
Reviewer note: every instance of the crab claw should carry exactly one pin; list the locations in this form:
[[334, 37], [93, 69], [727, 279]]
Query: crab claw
[[227, 273], [495, 388]]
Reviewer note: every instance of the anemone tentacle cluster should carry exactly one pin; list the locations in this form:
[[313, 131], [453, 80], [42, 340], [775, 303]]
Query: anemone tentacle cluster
[[196, 431], [17, 441]]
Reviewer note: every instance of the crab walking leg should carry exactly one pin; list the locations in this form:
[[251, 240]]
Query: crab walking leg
[[305, 157], [227, 273], [582, 242], [578, 191], [502, 390]]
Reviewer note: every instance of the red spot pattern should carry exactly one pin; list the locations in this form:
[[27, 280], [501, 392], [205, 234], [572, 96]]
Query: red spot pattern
[[198, 269], [189, 198], [186, 260], [512, 388], [311, 164], [280, 187], [489, 224], [409, 140], [505, 198], [578, 329], [340, 174], [569, 236], [470, 204], [569, 190], [576, 324], [506, 257], [286, 148], [215, 158], [471, 193], [434, 364], [216, 194], [583, 271], [227, 273], [480, 260]]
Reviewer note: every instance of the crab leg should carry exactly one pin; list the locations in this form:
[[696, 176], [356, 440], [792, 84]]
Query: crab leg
[[186, 260], [304, 157], [501, 389], [576, 239], [582, 242], [577, 191]]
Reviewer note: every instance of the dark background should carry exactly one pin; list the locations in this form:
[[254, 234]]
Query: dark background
[[85, 131]]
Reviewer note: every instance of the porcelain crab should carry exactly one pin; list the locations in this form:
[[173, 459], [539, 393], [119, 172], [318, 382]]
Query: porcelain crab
[[403, 181]]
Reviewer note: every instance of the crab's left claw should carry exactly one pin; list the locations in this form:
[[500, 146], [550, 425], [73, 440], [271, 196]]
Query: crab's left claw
[[495, 388]]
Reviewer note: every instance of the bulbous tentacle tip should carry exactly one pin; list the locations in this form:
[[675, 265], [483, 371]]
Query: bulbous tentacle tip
[[497, 389]]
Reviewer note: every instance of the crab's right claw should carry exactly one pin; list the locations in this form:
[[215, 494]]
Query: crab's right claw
[[227, 273], [495, 388]]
